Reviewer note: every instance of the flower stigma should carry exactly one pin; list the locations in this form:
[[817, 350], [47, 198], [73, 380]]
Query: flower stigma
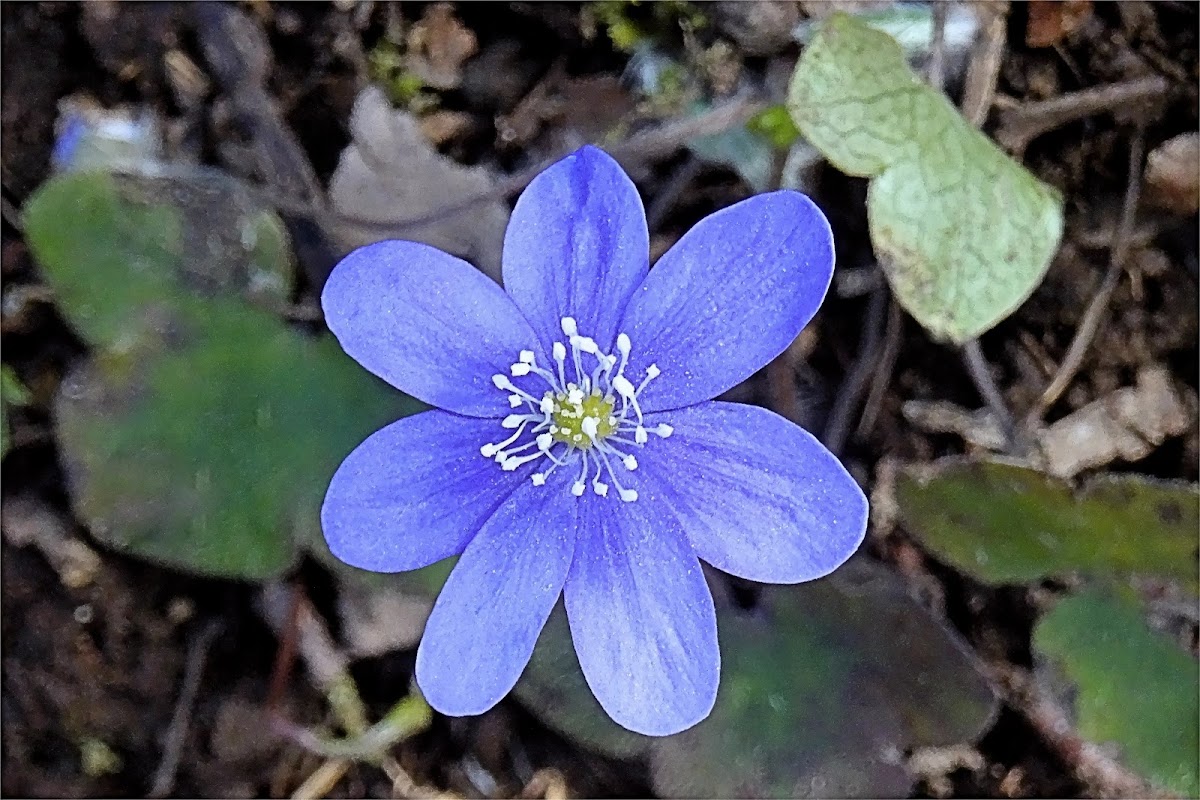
[[588, 422]]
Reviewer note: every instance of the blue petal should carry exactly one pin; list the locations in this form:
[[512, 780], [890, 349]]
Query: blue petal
[[731, 295], [414, 492], [487, 619], [642, 617], [427, 323], [577, 246], [757, 496]]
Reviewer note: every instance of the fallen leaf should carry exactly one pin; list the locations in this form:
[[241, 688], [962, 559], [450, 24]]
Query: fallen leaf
[[438, 45], [963, 232], [390, 174], [1173, 174], [1052, 21], [1127, 424]]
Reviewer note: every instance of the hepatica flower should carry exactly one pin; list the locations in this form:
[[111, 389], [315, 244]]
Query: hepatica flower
[[575, 449]]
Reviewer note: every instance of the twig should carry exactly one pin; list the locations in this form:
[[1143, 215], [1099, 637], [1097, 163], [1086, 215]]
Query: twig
[[981, 375], [322, 781], [883, 370], [285, 656], [936, 71], [1103, 776], [181, 720], [680, 179], [1021, 124], [1088, 325], [846, 401], [979, 89], [29, 521], [11, 214]]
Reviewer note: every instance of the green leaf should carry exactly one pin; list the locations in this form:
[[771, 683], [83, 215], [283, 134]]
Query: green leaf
[[203, 431], [1003, 523], [775, 125], [963, 232], [1135, 687], [12, 393], [823, 687]]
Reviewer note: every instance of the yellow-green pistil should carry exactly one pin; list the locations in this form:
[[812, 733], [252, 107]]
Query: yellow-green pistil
[[568, 419]]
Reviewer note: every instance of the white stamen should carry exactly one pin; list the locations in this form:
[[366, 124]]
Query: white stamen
[[573, 414], [624, 387]]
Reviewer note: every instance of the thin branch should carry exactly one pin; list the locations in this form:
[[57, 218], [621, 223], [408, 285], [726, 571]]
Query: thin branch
[[1103, 776], [979, 89], [846, 402], [1096, 309], [1021, 124], [981, 375], [181, 720], [883, 370], [936, 71]]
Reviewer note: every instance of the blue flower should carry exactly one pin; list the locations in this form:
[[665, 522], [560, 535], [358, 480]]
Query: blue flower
[[576, 450]]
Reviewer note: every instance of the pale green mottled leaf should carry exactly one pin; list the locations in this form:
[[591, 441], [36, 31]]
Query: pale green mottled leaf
[[963, 232], [1135, 688], [1010, 524]]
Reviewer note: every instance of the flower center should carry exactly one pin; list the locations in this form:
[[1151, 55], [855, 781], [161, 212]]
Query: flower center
[[576, 423]]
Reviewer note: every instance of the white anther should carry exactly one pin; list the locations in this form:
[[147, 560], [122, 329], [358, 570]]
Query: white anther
[[539, 479], [600, 488], [653, 371], [664, 430], [546, 406], [590, 426], [488, 450], [639, 435], [520, 370], [577, 488], [575, 396], [630, 463], [512, 421], [526, 357], [585, 343], [560, 351], [628, 495], [569, 327], [624, 387], [514, 401], [500, 381], [623, 344], [545, 441]]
